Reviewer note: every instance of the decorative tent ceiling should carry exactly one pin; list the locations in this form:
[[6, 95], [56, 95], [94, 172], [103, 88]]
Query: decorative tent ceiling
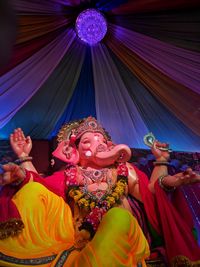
[[142, 77]]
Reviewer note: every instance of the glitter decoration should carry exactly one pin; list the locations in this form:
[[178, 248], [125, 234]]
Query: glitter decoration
[[91, 26]]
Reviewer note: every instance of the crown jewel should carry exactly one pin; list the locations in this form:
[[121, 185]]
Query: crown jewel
[[78, 128]]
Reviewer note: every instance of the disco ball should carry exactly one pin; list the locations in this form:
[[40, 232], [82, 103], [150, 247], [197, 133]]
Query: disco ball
[[91, 26]]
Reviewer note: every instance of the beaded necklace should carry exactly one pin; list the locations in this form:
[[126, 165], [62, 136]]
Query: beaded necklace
[[95, 207]]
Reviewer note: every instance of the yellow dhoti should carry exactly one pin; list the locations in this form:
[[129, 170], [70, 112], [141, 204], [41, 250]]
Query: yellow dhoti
[[48, 235]]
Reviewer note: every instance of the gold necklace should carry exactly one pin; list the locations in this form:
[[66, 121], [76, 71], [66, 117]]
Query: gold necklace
[[95, 175]]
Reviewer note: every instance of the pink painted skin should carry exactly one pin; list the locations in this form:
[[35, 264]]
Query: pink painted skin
[[66, 153], [93, 151]]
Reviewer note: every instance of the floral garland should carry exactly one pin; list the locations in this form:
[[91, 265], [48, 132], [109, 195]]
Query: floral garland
[[97, 208]]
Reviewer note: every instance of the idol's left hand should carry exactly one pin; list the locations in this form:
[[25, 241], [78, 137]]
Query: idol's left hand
[[159, 154], [183, 178]]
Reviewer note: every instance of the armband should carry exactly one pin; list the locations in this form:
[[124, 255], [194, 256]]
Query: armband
[[167, 189], [22, 160], [18, 182], [161, 163]]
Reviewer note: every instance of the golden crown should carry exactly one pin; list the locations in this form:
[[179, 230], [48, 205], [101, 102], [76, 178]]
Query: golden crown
[[78, 128]]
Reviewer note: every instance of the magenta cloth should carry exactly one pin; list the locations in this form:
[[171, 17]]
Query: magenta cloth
[[171, 218], [8, 210]]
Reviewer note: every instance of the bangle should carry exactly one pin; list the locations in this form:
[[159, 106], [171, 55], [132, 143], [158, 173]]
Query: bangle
[[23, 159], [167, 189], [160, 163], [16, 183]]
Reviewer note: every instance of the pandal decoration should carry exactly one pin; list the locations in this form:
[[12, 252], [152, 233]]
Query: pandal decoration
[[97, 208]]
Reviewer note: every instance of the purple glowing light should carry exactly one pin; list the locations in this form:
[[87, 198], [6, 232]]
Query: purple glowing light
[[91, 26]]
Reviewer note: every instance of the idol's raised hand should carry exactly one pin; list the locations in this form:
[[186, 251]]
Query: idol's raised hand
[[160, 151], [20, 144]]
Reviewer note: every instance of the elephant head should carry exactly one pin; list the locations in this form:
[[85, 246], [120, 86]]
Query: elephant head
[[88, 144]]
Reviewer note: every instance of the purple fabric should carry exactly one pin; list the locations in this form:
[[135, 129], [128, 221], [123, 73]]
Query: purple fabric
[[124, 122], [180, 64], [192, 194], [43, 7], [21, 83]]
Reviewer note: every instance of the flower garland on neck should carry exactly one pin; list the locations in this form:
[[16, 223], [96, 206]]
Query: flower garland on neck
[[96, 208]]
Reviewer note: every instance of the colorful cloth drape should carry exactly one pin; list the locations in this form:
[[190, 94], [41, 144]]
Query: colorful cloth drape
[[142, 77]]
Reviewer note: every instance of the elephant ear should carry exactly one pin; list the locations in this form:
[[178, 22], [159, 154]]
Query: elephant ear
[[66, 152]]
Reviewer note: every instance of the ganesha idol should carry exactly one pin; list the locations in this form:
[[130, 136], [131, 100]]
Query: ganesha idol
[[81, 216]]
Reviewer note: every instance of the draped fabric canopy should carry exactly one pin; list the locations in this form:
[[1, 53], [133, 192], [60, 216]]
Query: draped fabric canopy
[[144, 76]]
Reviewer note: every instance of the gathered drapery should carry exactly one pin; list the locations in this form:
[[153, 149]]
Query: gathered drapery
[[82, 102], [39, 7], [179, 64], [184, 103], [159, 121], [21, 83], [112, 97], [32, 27], [24, 51], [132, 7], [144, 75], [37, 118], [179, 28]]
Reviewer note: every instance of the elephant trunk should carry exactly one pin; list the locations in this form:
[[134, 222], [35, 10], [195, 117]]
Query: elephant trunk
[[120, 153]]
